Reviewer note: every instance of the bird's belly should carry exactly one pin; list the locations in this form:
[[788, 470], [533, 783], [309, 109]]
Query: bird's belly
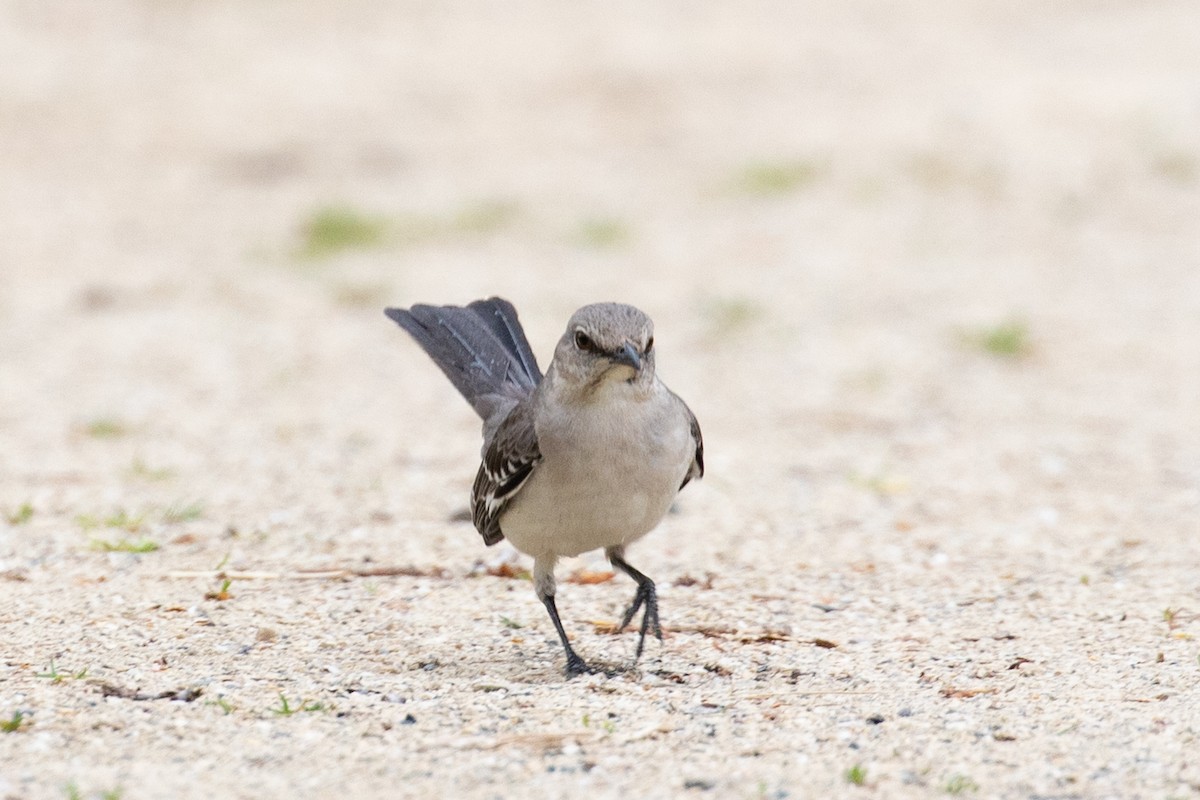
[[567, 526], [577, 500]]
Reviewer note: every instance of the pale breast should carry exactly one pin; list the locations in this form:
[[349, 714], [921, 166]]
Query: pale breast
[[608, 475]]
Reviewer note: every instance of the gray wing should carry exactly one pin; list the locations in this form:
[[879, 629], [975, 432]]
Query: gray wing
[[696, 471], [508, 460]]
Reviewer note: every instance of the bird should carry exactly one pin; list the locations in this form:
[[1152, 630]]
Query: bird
[[588, 456]]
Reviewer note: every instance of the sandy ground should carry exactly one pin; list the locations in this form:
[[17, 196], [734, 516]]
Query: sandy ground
[[920, 564]]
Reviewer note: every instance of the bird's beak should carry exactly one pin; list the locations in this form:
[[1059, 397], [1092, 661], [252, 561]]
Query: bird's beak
[[628, 356]]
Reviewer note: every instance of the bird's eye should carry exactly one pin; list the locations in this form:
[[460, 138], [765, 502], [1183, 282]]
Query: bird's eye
[[649, 345], [583, 341]]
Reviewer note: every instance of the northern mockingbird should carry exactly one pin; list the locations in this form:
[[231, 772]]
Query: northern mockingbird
[[589, 456]]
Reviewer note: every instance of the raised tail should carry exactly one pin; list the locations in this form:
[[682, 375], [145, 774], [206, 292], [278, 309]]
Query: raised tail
[[481, 348]]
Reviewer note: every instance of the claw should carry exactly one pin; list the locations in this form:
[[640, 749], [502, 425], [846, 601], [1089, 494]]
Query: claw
[[646, 595], [577, 666]]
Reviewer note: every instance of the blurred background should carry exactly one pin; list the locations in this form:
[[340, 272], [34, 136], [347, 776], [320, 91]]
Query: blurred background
[[927, 273]]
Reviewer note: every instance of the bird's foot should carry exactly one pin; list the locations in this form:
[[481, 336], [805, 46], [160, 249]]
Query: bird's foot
[[647, 596], [577, 666]]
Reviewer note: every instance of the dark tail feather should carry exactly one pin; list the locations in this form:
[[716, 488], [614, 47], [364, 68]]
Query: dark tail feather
[[480, 348], [501, 317]]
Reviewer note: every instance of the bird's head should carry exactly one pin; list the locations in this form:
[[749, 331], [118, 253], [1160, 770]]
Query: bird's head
[[607, 342]]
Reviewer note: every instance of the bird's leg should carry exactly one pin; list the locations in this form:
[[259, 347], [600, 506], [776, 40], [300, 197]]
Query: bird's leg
[[575, 664], [646, 594], [543, 582]]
